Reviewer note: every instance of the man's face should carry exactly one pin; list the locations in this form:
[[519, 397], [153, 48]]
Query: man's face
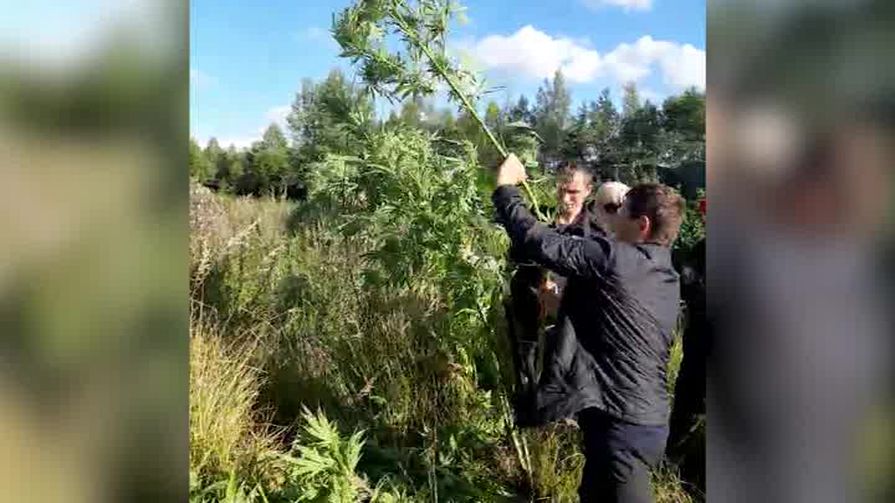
[[571, 194]]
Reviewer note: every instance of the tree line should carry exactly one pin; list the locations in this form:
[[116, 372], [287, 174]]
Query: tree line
[[640, 142]]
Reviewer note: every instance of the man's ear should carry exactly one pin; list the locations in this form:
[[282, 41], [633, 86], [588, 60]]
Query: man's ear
[[645, 225]]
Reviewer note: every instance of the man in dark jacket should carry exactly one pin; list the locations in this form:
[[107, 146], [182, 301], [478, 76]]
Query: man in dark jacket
[[535, 291], [607, 362], [526, 310]]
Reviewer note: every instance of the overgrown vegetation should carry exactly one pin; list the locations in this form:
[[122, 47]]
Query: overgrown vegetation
[[364, 304], [350, 345]]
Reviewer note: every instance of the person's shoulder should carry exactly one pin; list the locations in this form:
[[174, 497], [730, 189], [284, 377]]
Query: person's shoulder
[[643, 257]]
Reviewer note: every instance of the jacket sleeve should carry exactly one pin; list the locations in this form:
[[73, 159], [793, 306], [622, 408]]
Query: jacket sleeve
[[566, 255]]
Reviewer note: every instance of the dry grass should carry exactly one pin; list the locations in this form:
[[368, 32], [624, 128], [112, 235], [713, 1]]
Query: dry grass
[[220, 226], [227, 435], [668, 488]]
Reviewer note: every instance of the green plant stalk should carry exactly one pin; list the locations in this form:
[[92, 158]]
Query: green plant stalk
[[466, 104], [519, 444]]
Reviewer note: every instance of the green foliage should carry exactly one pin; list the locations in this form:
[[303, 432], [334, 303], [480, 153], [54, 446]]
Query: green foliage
[[230, 490], [321, 464], [639, 133], [378, 300], [269, 159], [643, 143], [422, 60], [551, 116], [631, 99], [426, 213], [231, 167], [338, 331], [685, 113], [361, 31], [213, 151], [200, 167], [557, 461], [693, 226], [328, 118], [521, 112], [594, 136]]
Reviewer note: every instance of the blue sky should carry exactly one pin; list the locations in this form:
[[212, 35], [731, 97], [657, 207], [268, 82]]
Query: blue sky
[[247, 59]]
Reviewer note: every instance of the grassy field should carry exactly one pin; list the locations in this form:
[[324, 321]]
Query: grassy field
[[311, 382]]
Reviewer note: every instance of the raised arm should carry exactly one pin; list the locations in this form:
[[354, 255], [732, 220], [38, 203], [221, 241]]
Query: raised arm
[[566, 255]]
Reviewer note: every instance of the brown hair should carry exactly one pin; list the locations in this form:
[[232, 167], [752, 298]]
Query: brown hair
[[664, 207], [567, 171]]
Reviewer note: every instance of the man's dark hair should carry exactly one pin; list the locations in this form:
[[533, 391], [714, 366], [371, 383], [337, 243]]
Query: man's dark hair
[[567, 171], [664, 207]]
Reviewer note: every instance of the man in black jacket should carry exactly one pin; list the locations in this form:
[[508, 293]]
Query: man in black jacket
[[535, 292], [526, 310], [607, 362]]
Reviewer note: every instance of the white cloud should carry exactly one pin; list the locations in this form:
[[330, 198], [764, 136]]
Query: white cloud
[[686, 67], [681, 65], [628, 5], [278, 115], [532, 53], [536, 54]]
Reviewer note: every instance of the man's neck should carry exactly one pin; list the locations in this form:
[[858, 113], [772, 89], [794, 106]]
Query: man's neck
[[567, 218]]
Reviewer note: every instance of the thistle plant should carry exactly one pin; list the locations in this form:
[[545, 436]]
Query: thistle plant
[[362, 31]]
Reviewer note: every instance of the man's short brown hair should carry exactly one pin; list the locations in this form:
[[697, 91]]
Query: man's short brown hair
[[567, 171], [664, 207]]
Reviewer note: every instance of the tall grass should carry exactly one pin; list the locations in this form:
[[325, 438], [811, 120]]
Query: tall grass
[[293, 311], [227, 433]]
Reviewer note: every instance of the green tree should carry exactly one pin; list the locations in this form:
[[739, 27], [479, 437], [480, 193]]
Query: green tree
[[269, 161], [640, 142], [681, 156], [488, 154], [200, 167], [685, 114], [412, 113], [603, 116], [327, 118], [577, 141], [493, 116], [551, 114], [446, 120], [467, 128], [213, 151], [605, 124], [593, 138], [230, 167], [393, 119], [521, 112], [631, 99], [418, 113]]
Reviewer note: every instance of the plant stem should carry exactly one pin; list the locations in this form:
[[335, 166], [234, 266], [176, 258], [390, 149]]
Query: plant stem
[[464, 100]]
